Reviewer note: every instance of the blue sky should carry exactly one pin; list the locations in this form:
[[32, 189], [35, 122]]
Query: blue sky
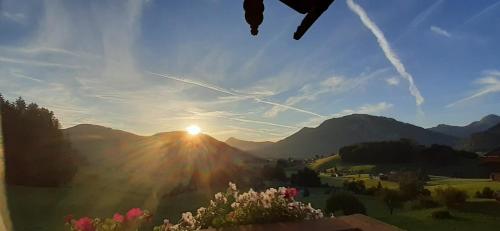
[[152, 66]]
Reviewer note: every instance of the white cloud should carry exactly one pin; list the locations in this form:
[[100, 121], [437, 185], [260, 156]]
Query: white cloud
[[389, 53], [490, 83], [440, 31], [392, 81]]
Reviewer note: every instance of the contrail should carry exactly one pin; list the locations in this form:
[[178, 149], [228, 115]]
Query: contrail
[[388, 52], [241, 119], [225, 91], [484, 11], [491, 85]]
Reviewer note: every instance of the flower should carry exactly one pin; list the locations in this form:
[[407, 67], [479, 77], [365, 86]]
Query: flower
[[188, 218], [290, 193], [134, 213], [118, 218], [84, 224], [232, 186], [68, 218]]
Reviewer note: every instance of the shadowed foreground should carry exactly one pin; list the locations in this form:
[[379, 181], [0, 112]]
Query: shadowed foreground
[[356, 222]]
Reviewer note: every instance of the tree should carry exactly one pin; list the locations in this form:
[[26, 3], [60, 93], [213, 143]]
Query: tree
[[306, 178], [36, 151], [392, 199], [451, 196], [273, 173], [410, 185], [345, 202]]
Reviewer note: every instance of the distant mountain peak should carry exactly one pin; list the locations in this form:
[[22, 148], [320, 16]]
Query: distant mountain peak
[[466, 131], [490, 117]]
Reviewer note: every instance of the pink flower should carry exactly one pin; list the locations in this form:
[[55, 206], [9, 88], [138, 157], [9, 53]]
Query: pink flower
[[84, 224], [134, 213], [118, 218], [68, 218], [291, 193]]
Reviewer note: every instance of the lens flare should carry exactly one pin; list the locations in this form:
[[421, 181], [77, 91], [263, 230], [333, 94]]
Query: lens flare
[[193, 130]]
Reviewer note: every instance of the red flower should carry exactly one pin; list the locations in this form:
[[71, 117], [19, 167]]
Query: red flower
[[84, 224], [118, 218], [291, 193], [68, 218], [134, 213]]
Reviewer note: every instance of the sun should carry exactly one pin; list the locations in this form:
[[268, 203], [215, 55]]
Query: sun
[[193, 130]]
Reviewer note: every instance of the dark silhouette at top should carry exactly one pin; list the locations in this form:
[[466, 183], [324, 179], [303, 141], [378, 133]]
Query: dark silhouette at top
[[254, 13]]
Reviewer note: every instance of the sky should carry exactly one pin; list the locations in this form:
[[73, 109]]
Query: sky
[[149, 66]]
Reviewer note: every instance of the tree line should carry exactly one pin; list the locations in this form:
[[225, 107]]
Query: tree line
[[402, 151], [36, 152]]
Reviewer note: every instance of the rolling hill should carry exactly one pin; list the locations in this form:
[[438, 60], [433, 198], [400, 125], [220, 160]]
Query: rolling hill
[[247, 145], [149, 161], [485, 141], [466, 131], [335, 133]]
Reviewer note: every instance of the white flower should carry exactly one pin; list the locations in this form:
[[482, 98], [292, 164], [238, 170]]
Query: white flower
[[232, 186], [201, 210]]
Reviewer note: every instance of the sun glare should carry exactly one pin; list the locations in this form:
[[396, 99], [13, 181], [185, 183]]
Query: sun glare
[[193, 130]]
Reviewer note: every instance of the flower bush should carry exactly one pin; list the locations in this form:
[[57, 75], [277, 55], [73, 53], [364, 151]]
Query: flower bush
[[132, 220], [228, 208], [232, 208]]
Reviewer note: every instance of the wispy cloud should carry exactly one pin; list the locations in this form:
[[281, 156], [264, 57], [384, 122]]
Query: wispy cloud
[[29, 62], [231, 93], [23, 76], [440, 31], [385, 46], [236, 117], [392, 81], [331, 85], [372, 109], [15, 17], [490, 83]]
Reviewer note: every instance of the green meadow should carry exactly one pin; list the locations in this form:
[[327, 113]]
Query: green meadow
[[43, 209]]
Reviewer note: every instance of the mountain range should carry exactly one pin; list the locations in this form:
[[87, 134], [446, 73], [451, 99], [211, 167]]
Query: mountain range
[[335, 133], [485, 141], [99, 143], [466, 131]]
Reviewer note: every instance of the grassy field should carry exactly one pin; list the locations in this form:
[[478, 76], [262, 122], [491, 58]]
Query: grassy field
[[42, 209], [471, 186], [476, 214]]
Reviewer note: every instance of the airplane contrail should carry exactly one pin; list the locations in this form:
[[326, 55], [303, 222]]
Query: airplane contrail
[[386, 48], [225, 91]]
